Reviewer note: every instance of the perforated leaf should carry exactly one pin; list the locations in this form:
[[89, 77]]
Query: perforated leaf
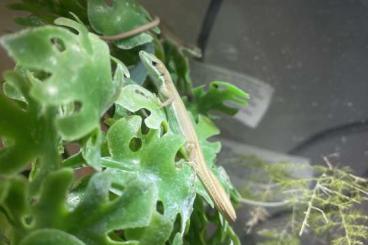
[[95, 214], [30, 134], [220, 96], [77, 71], [158, 231], [134, 98], [154, 159]]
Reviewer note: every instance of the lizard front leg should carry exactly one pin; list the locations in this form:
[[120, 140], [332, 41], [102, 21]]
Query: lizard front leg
[[167, 102], [190, 148]]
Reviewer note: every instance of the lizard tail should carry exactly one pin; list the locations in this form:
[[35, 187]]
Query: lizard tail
[[217, 192]]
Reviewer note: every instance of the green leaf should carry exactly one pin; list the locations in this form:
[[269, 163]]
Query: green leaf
[[91, 150], [221, 96], [178, 65], [95, 214], [29, 141], [178, 240], [29, 21], [50, 236], [14, 207], [134, 98], [77, 69], [157, 232], [154, 159], [121, 16], [13, 91], [46, 11], [208, 227]]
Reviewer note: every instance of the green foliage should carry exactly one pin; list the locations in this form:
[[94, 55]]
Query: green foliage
[[46, 11], [127, 181], [47, 49], [120, 17], [216, 97], [33, 141]]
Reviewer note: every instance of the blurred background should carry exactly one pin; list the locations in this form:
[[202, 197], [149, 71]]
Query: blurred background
[[304, 63]]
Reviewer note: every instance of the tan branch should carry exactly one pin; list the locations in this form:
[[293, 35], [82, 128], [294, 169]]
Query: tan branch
[[155, 22]]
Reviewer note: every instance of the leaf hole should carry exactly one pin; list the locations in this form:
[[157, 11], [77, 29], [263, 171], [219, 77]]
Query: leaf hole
[[176, 228], [109, 2], [28, 220], [71, 108], [41, 75], [135, 144], [219, 87], [58, 44], [117, 235], [179, 156], [160, 207], [83, 172], [71, 149], [77, 105], [116, 190]]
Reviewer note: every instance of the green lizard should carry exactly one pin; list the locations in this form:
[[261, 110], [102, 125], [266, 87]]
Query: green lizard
[[170, 96]]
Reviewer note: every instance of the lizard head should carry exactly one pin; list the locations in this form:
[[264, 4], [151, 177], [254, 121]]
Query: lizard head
[[152, 65]]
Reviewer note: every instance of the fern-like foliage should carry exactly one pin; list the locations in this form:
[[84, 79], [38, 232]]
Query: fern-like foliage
[[326, 204]]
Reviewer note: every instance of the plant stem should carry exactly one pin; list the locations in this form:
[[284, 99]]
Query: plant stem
[[343, 222], [264, 204], [133, 32], [309, 209]]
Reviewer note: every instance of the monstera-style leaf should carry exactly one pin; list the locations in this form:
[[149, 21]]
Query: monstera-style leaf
[[221, 96], [30, 133], [134, 98], [120, 16], [137, 188], [90, 219], [76, 70], [152, 156]]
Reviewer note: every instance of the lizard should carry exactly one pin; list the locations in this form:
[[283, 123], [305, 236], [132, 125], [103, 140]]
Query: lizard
[[169, 96]]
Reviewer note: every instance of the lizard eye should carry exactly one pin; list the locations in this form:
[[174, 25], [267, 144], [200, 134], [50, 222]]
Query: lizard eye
[[154, 63]]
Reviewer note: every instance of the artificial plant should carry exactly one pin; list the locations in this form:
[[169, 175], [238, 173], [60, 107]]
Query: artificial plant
[[86, 157]]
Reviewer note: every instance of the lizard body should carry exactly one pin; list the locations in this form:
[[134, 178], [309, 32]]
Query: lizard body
[[167, 91]]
